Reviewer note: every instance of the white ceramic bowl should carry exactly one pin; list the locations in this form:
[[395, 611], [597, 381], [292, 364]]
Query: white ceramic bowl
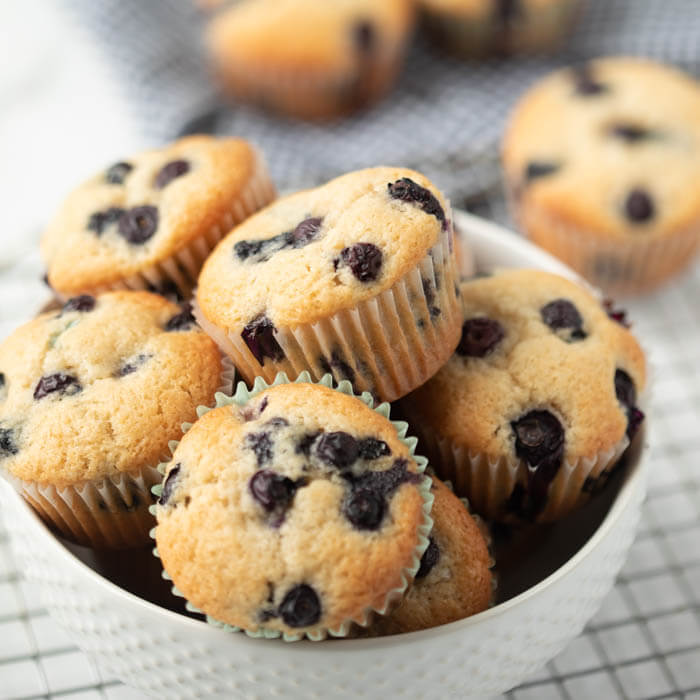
[[555, 590]]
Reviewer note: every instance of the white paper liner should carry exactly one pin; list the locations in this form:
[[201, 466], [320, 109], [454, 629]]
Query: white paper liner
[[312, 93], [240, 398], [488, 483], [542, 30], [107, 513], [390, 341], [183, 267], [619, 266]]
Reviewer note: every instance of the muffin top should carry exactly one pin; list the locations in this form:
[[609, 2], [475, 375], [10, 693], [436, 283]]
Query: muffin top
[[610, 147], [100, 387], [454, 578], [140, 211], [317, 252], [308, 35], [542, 374], [302, 507]]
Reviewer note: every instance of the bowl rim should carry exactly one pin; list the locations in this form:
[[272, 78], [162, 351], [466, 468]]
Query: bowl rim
[[481, 234]]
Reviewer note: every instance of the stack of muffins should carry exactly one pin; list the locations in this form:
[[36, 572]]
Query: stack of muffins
[[295, 507]]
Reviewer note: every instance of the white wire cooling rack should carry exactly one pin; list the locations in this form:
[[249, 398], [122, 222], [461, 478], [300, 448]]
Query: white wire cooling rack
[[644, 643]]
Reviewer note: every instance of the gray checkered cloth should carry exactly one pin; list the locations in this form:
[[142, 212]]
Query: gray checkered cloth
[[444, 116]]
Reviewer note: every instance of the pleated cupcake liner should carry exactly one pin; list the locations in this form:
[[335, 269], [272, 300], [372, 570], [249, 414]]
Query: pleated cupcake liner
[[387, 345], [629, 265], [489, 482], [407, 574], [111, 512], [181, 269], [486, 35]]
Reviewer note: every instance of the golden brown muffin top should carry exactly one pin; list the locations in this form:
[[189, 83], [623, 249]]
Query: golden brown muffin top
[[101, 386]]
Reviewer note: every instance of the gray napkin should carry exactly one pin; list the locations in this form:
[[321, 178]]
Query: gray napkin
[[444, 117]]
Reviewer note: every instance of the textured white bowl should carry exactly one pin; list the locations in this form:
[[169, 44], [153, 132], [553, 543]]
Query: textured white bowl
[[168, 655]]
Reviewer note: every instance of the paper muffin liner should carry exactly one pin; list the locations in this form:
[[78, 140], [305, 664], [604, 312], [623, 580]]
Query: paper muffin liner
[[630, 265], [181, 269], [477, 37], [316, 94], [393, 596], [387, 345], [106, 513], [488, 483]]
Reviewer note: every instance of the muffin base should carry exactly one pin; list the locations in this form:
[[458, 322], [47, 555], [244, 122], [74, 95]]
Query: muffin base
[[623, 266], [387, 345], [107, 513]]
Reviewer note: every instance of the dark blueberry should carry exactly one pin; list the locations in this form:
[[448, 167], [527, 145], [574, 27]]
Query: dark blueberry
[[586, 85], [386, 481], [538, 436], [364, 36], [537, 169], [182, 321], [100, 220], [618, 315], [626, 394], [408, 191], [138, 224], [272, 490], [247, 249], [169, 485], [342, 369], [170, 171], [371, 448], [561, 314], [364, 259], [60, 381], [429, 291], [116, 174], [301, 607], [167, 289], [266, 615], [259, 336], [480, 336], [132, 365], [631, 133], [305, 232], [539, 440], [263, 405], [364, 508], [304, 446], [7, 442], [639, 206], [84, 302], [507, 10], [430, 557], [337, 449], [2, 380], [261, 444]]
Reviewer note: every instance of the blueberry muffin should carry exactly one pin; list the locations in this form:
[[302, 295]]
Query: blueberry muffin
[[90, 396], [601, 163], [473, 28], [310, 59], [150, 221], [539, 400], [295, 514], [454, 578], [355, 278]]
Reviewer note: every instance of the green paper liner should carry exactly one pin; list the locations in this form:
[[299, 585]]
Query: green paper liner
[[241, 396]]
